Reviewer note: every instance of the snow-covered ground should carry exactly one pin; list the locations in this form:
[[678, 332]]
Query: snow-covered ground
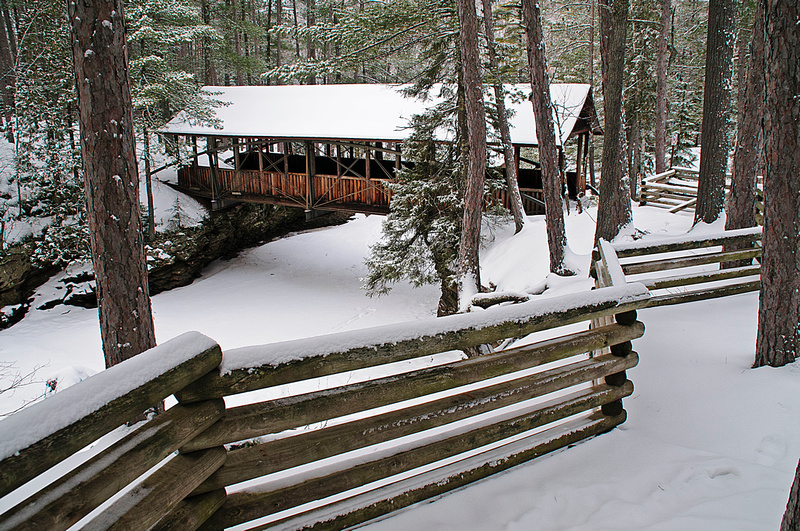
[[709, 443]]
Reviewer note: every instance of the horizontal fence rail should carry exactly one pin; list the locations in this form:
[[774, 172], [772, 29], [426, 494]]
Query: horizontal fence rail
[[686, 268], [338, 453]]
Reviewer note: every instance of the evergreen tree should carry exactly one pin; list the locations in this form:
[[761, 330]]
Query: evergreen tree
[[161, 81], [422, 231], [46, 152], [640, 90]]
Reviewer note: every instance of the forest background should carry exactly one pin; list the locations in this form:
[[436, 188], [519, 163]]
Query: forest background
[[177, 46]]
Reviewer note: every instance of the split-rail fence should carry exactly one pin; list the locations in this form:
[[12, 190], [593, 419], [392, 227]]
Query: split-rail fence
[[332, 455]]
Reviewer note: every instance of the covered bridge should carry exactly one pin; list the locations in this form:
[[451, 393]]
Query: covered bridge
[[333, 147]]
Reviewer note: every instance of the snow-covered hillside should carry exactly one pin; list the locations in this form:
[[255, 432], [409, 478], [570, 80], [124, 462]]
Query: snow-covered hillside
[[709, 443]]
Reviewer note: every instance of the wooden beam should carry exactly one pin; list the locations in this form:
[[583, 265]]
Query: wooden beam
[[311, 171]]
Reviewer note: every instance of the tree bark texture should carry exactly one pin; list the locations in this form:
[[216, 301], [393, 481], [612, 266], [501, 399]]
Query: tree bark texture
[[111, 179], [468, 264], [614, 206], [741, 208], [512, 182], [779, 302], [311, 51], [791, 518], [716, 111], [661, 88], [8, 79], [545, 134]]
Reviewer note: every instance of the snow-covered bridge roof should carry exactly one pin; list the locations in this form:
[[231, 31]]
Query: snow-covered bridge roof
[[366, 112]]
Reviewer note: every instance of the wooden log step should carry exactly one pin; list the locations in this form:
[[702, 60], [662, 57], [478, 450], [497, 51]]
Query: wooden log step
[[262, 459], [686, 204], [244, 506], [76, 494], [689, 261], [674, 188], [254, 420]]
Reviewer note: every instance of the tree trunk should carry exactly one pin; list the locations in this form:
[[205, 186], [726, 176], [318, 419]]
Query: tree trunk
[[661, 89], [750, 136], [779, 302], [311, 51], [278, 40], [512, 181], [791, 518], [111, 179], [469, 278], [716, 112], [614, 207], [209, 74], [237, 47], [12, 36], [545, 133], [8, 79], [148, 181], [747, 156]]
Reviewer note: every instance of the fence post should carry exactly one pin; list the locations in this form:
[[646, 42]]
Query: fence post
[[621, 350]]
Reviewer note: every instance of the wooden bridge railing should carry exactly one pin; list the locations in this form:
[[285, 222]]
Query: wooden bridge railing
[[295, 457], [328, 192], [682, 269]]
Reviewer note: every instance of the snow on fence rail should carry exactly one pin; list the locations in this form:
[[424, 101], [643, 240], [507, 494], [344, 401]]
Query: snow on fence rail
[[300, 455], [681, 269]]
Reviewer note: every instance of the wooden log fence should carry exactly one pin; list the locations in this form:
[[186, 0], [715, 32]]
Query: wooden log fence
[[680, 270], [676, 190], [337, 455]]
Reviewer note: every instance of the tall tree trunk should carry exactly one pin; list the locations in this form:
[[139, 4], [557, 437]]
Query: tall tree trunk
[[469, 278], [209, 74], [779, 301], [112, 182], [614, 207], [749, 136], [148, 181], [311, 51], [545, 134], [12, 35], [661, 89], [791, 518], [8, 80], [278, 40], [716, 111], [236, 42], [512, 181], [592, 181]]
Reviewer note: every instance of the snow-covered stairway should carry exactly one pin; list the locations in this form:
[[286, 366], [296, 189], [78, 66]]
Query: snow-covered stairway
[[339, 428], [684, 269]]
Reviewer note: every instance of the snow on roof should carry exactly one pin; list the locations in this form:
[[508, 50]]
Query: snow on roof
[[357, 112]]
